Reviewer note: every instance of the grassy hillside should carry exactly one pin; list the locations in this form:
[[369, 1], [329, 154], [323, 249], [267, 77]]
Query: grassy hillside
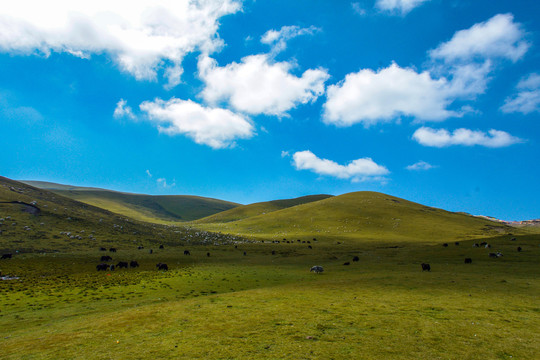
[[150, 208], [246, 211], [363, 215], [37, 220]]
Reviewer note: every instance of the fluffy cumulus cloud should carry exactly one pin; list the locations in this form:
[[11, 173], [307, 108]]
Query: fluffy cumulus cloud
[[421, 165], [217, 128], [277, 39], [258, 85], [142, 37], [498, 37], [357, 170], [369, 97], [527, 100], [398, 6], [459, 69], [442, 138]]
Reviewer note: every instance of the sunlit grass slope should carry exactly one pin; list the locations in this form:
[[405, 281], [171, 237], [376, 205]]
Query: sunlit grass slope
[[261, 208], [37, 220], [150, 208], [364, 215]]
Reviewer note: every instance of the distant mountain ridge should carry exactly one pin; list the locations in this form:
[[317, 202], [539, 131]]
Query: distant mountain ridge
[[149, 208]]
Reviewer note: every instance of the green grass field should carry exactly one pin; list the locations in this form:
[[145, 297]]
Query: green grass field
[[266, 303]]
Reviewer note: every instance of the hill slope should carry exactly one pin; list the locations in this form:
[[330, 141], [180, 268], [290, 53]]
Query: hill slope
[[261, 208], [364, 215], [151, 208]]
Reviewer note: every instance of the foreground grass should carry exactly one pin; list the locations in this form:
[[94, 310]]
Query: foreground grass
[[230, 306]]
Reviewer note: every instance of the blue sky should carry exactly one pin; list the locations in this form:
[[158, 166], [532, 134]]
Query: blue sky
[[434, 101]]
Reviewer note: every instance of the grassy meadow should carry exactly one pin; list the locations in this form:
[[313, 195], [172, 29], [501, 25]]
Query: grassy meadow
[[266, 303]]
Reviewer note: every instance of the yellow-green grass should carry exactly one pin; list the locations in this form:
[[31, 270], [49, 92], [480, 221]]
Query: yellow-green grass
[[149, 208], [261, 208], [364, 216], [231, 306], [63, 224]]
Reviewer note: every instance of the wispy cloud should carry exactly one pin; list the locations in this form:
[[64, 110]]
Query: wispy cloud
[[358, 9], [162, 182], [148, 173], [277, 39], [398, 6], [357, 170], [442, 138], [527, 100], [123, 110], [421, 165]]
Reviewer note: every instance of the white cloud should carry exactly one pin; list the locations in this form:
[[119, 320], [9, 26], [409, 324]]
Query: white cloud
[[442, 138], [142, 37], [398, 6], [148, 173], [369, 97], [259, 86], [122, 110], [277, 39], [421, 165], [358, 9], [527, 100], [458, 69], [357, 170], [217, 128], [285, 154], [162, 182], [498, 37]]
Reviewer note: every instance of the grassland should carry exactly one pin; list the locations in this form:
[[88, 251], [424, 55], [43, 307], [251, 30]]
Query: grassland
[[368, 216], [266, 303], [149, 208], [261, 208]]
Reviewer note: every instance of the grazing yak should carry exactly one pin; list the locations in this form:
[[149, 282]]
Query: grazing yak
[[519, 248], [102, 249], [355, 259], [106, 258], [111, 267], [133, 264], [495, 255], [112, 249], [186, 252], [161, 246], [102, 267], [426, 267], [445, 244], [468, 261], [208, 254], [347, 263], [317, 269], [7, 256], [122, 264], [162, 266], [245, 253], [140, 247]]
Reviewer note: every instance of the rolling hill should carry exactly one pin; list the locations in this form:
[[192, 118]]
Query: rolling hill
[[149, 208], [362, 215], [261, 208], [37, 220]]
